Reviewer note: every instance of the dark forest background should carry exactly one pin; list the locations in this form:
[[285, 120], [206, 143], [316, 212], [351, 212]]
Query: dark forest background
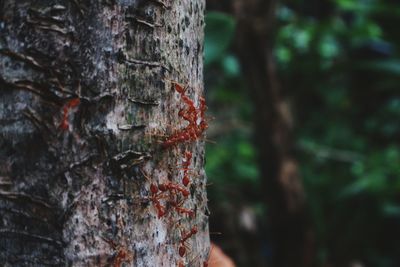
[[338, 67]]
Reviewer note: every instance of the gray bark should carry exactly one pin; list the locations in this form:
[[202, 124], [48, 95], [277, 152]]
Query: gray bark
[[85, 103]]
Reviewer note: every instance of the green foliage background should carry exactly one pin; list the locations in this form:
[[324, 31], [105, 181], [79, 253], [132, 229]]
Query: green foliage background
[[339, 63]]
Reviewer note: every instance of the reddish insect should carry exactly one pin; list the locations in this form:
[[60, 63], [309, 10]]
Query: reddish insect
[[153, 189], [185, 166], [155, 198], [185, 180], [179, 88], [188, 212], [194, 129], [185, 237], [189, 234], [66, 110], [178, 206], [171, 187], [182, 251], [188, 158], [159, 207], [159, 192]]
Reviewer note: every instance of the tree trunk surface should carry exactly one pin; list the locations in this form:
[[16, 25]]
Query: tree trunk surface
[[291, 234], [86, 101]]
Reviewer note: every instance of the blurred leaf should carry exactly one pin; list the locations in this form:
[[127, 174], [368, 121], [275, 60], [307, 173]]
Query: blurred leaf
[[246, 150], [391, 66], [283, 54], [358, 168], [371, 183], [391, 209], [354, 5], [328, 46], [284, 13], [231, 66], [247, 172], [219, 32], [227, 95], [302, 39], [394, 106]]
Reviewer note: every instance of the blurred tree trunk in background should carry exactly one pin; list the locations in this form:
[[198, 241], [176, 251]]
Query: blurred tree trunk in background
[[287, 214], [83, 96]]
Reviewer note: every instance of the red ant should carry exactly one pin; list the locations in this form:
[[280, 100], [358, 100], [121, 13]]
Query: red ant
[[189, 234], [188, 158], [69, 105], [163, 187], [185, 180], [184, 211], [179, 88], [178, 207], [185, 165], [185, 237], [155, 198], [159, 207], [173, 187], [182, 250]]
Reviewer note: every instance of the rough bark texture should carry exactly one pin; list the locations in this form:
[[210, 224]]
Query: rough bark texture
[[85, 102], [287, 213]]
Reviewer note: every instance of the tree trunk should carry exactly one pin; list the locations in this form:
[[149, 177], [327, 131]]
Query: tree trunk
[[87, 103], [287, 214]]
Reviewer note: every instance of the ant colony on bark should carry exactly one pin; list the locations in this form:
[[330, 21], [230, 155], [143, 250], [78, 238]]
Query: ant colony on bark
[[195, 118], [170, 197]]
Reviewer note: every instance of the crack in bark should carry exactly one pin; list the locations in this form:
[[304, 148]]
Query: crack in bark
[[53, 28], [7, 231], [144, 102], [25, 197], [39, 89], [26, 214], [161, 3], [130, 61], [38, 122], [22, 57], [131, 127]]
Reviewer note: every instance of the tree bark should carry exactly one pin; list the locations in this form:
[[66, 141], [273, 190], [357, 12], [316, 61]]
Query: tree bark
[[291, 235], [86, 102]]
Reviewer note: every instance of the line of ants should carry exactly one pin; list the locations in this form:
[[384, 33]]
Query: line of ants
[[195, 128], [178, 192], [172, 194]]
